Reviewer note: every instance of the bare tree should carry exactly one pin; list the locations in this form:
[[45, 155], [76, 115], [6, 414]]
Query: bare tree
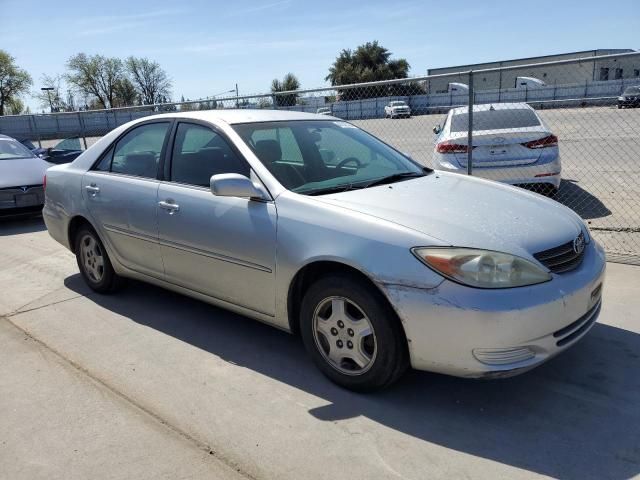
[[150, 80], [96, 76], [13, 81], [53, 99]]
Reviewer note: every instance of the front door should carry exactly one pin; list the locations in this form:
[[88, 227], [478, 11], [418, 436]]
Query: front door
[[223, 247], [121, 194]]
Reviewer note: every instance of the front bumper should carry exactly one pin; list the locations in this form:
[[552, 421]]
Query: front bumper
[[629, 103], [21, 200], [469, 332]]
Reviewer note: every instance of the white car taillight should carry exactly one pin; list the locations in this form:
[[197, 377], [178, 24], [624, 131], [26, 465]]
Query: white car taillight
[[550, 141], [449, 147]]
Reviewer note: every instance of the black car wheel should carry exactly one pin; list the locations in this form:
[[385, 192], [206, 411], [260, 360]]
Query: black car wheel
[[352, 334]]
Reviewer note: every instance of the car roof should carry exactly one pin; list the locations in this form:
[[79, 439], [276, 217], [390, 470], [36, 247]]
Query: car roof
[[234, 116], [489, 106]]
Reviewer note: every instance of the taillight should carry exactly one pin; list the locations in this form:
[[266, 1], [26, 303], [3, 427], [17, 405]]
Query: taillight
[[550, 141], [44, 182], [448, 147]]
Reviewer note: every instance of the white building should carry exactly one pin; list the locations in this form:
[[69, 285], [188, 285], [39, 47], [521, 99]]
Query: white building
[[579, 72]]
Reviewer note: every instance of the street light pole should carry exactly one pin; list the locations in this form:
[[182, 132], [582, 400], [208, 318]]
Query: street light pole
[[48, 90], [237, 104]]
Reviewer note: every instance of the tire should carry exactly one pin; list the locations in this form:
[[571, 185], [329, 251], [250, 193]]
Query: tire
[[94, 263], [619, 107], [385, 348]]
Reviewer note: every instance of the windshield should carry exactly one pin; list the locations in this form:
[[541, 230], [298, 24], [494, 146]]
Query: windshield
[[315, 156], [11, 149], [398, 104], [495, 120], [632, 91]]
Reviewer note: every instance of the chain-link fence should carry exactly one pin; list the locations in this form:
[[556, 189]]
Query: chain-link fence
[[565, 129]]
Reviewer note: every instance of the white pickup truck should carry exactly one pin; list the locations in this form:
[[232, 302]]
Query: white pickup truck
[[397, 108]]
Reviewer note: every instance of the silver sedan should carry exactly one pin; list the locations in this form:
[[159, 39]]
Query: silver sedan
[[314, 226]]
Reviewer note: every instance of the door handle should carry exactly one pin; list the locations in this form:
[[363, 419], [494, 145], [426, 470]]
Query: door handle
[[92, 189], [169, 206]]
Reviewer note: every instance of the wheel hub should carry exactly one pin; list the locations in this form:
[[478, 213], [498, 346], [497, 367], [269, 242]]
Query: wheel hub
[[344, 335]]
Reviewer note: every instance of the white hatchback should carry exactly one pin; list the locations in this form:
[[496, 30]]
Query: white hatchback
[[511, 144]]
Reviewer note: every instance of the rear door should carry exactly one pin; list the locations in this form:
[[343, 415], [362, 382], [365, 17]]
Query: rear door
[[121, 194], [224, 247]]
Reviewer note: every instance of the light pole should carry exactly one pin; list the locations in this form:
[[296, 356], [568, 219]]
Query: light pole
[[226, 91], [48, 90], [237, 105]]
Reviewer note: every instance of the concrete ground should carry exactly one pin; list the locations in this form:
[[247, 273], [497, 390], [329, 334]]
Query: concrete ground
[[150, 384]]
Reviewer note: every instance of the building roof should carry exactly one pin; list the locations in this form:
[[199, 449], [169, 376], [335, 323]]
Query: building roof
[[579, 54]]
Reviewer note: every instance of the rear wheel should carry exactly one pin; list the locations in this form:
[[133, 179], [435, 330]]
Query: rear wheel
[[93, 262], [352, 334]]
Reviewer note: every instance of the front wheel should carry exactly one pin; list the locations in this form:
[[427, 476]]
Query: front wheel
[[352, 334], [93, 262]]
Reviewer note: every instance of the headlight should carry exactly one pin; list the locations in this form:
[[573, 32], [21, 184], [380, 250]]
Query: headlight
[[481, 268]]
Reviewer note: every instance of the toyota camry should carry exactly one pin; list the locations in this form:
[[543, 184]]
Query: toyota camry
[[316, 227]]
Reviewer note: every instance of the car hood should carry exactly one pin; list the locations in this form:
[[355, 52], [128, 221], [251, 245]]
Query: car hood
[[22, 172], [467, 212]]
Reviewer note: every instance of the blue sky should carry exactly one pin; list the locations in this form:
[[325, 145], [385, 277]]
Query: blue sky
[[208, 46]]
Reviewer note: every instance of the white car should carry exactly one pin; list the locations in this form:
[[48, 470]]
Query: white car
[[21, 178], [397, 108], [511, 144], [324, 111]]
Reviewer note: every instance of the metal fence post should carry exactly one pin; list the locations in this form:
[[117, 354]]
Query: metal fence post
[[83, 134], [470, 127], [32, 119]]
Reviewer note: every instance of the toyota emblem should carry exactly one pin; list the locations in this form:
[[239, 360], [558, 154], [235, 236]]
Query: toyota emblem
[[578, 244], [24, 189]]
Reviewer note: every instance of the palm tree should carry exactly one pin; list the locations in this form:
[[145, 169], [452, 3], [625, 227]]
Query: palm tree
[[289, 83], [368, 63]]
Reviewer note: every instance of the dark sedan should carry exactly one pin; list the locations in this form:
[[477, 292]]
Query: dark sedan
[[65, 151], [630, 98]]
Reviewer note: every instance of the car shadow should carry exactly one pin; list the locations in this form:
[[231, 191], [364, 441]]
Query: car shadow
[[581, 201], [18, 225], [575, 417]]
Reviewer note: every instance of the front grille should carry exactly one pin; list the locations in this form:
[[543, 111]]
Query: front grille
[[560, 259]]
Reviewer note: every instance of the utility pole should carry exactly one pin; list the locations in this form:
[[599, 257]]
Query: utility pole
[[237, 99]]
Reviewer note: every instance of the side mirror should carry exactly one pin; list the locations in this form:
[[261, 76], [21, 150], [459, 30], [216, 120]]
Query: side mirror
[[437, 129], [235, 185]]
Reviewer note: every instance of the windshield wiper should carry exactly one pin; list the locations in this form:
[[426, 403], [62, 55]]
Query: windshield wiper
[[328, 190], [396, 177]]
